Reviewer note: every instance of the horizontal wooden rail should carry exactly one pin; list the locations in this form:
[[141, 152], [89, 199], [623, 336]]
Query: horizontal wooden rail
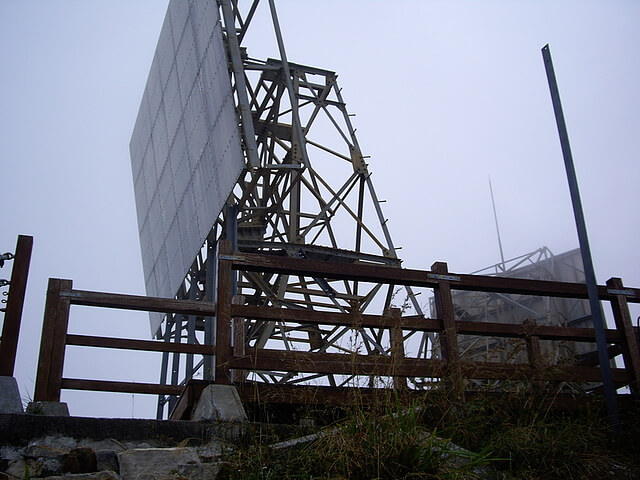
[[264, 393], [543, 332], [146, 345], [337, 363], [591, 359], [420, 278], [418, 323], [332, 318], [120, 387], [138, 302]]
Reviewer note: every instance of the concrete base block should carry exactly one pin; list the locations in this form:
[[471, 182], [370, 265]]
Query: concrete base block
[[156, 462], [10, 401], [105, 475], [49, 409], [220, 402], [17, 469]]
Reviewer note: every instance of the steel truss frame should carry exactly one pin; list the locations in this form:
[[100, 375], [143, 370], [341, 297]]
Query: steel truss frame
[[306, 192]]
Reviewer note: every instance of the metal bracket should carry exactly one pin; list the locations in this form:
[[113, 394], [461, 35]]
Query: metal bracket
[[238, 258], [448, 278], [627, 292], [6, 256]]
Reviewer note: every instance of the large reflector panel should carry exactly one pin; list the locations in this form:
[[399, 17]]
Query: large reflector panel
[[185, 149]]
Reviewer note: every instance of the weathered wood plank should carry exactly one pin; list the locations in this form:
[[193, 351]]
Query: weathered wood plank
[[121, 387], [336, 363], [544, 332], [331, 318], [261, 393], [15, 304], [396, 339], [494, 329], [401, 276], [52, 343], [131, 344], [315, 362], [534, 353], [630, 349], [138, 302]]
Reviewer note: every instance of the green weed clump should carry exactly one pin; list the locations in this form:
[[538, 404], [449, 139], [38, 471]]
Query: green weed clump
[[505, 437], [528, 438], [379, 443]]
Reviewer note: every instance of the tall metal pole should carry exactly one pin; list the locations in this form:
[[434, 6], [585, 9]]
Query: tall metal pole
[[592, 287]]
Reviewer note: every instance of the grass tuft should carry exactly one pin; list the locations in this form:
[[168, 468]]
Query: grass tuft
[[512, 436]]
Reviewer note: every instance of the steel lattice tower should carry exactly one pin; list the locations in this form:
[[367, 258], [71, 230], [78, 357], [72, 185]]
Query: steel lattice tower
[[306, 191]]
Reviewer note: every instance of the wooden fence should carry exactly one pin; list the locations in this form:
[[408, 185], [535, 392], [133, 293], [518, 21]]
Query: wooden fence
[[15, 302], [231, 354]]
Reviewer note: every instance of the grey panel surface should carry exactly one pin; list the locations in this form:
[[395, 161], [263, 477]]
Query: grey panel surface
[[185, 148]]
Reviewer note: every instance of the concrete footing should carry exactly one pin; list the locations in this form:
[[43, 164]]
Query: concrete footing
[[51, 409], [220, 402], [10, 401]]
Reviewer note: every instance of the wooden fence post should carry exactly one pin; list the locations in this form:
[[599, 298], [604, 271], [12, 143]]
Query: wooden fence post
[[534, 353], [15, 303], [223, 315], [397, 347], [239, 339], [630, 350], [448, 335], [52, 343]]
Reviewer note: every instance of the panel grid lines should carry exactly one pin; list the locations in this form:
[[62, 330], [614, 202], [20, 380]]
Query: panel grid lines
[[186, 153]]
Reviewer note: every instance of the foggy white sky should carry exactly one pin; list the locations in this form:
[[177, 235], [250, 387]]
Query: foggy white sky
[[446, 94]]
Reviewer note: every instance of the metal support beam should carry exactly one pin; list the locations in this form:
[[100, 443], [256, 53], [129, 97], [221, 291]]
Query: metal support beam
[[297, 126], [191, 328], [210, 289], [164, 368], [241, 87], [592, 288]]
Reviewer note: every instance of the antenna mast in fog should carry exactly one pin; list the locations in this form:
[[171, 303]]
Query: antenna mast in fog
[[495, 217]]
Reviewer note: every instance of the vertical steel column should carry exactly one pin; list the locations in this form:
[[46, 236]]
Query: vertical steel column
[[223, 314], [239, 340], [164, 368], [241, 86], [191, 328], [298, 139], [209, 322], [15, 303], [231, 234], [295, 116], [589, 272], [175, 367]]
